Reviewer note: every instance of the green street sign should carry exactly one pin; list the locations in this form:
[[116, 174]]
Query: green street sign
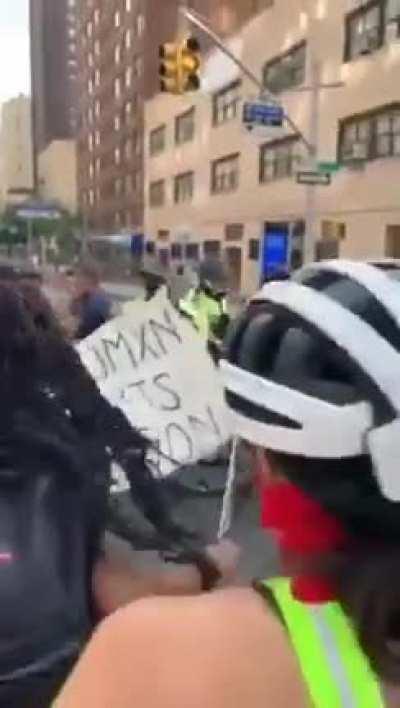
[[329, 167]]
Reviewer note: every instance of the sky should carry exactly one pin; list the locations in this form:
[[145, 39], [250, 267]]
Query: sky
[[14, 48]]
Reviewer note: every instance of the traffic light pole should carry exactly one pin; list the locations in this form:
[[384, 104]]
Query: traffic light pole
[[193, 19]]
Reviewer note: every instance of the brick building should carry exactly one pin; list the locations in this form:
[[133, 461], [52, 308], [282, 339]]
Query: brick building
[[54, 72]]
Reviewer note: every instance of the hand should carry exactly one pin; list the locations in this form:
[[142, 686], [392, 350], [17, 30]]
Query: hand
[[226, 556]]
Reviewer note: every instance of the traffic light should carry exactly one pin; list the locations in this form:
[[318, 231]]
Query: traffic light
[[180, 66], [169, 70], [190, 62]]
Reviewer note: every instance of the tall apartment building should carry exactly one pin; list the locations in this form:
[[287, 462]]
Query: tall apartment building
[[213, 188], [16, 150], [119, 42], [54, 70]]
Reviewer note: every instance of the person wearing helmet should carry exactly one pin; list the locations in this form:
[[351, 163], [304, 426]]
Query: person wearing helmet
[[312, 378]]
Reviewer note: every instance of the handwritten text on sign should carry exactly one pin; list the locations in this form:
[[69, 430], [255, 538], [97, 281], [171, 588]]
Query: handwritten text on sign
[[152, 364]]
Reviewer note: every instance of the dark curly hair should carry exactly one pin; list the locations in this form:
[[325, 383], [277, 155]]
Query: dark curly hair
[[34, 351]]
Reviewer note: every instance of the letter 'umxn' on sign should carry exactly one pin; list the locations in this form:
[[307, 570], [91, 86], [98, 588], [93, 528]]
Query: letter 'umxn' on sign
[[153, 365]]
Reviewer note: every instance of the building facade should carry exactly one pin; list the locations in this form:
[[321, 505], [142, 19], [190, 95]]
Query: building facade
[[119, 41], [54, 70], [214, 188], [16, 150], [57, 171]]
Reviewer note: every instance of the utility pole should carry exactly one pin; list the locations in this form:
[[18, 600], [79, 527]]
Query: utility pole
[[311, 190]]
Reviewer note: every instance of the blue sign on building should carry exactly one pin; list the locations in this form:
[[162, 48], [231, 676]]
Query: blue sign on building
[[263, 114], [275, 249]]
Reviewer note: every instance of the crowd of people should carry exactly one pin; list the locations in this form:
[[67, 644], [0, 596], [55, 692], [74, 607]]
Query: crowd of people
[[311, 376]]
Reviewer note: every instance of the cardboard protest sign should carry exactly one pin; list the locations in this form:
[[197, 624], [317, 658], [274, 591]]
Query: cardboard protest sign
[[153, 365]]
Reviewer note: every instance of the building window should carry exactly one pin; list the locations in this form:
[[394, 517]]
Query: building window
[[138, 66], [90, 87], [234, 232], [117, 54], [392, 241], [286, 71], [117, 124], [97, 138], [97, 108], [226, 103], [254, 249], [371, 136], [128, 39], [212, 248], [91, 197], [278, 159], [89, 29], [183, 187], [90, 60], [117, 19], [176, 251], [128, 77], [184, 127], [128, 149], [157, 193], [392, 20], [117, 156], [97, 77], [364, 30], [128, 5], [128, 112], [192, 251], [157, 140], [118, 187], [90, 116], [91, 171], [140, 25], [225, 174], [117, 88], [138, 144], [98, 165], [97, 47], [138, 181], [90, 142], [97, 16], [128, 184]]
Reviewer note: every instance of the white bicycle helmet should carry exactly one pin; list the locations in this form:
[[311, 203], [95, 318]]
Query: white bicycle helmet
[[312, 368]]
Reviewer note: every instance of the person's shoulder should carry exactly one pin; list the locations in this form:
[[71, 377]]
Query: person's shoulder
[[221, 649]]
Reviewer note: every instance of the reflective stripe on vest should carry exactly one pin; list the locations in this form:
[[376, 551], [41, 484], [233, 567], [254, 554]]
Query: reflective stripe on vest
[[336, 672]]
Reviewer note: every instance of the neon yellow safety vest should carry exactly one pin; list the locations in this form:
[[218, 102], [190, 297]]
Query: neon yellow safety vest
[[203, 310], [334, 668]]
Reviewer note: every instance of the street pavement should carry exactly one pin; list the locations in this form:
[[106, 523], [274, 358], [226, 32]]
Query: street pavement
[[196, 502], [201, 512]]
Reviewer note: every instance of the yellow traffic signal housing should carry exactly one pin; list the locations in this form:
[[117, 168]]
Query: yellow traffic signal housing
[[169, 71], [180, 66], [190, 63]]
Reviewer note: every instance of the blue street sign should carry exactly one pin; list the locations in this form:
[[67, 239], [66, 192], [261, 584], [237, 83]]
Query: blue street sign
[[264, 114]]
